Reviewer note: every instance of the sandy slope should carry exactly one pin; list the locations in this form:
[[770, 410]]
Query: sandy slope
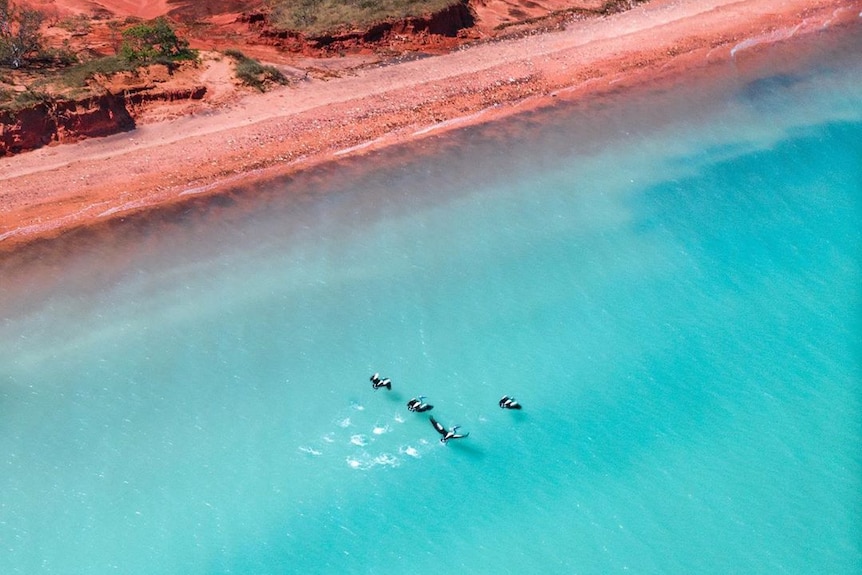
[[48, 191]]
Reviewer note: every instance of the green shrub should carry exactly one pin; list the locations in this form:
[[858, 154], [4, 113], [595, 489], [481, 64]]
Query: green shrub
[[252, 73], [154, 41], [235, 54], [19, 34], [62, 57]]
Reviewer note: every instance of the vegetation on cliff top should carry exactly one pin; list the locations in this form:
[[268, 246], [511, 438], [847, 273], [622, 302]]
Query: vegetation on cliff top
[[252, 73], [19, 34], [154, 41], [55, 71], [325, 16]]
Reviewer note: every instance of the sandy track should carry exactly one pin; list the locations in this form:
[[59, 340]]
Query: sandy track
[[51, 190]]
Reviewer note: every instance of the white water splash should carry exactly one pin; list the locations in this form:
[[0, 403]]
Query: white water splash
[[411, 451], [386, 459], [770, 38]]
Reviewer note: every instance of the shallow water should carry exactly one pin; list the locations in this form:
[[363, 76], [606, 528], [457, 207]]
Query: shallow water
[[669, 283]]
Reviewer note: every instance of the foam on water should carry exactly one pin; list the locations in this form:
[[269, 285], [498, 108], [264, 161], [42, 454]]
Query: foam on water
[[671, 287]]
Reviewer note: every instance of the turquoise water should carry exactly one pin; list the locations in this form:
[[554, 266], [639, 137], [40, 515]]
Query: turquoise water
[[671, 284]]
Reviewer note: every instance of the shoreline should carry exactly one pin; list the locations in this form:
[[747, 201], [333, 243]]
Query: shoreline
[[53, 191]]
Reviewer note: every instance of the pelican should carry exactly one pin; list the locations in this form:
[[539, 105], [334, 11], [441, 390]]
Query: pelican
[[377, 383], [508, 402], [447, 434], [418, 404]]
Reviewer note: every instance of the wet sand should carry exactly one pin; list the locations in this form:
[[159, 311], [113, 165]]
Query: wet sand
[[56, 190]]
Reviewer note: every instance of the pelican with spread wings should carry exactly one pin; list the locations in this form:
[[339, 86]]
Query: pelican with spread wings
[[447, 434]]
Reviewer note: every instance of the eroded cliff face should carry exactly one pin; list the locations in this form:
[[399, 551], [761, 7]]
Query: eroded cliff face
[[26, 129], [91, 117], [66, 121], [439, 30], [62, 121]]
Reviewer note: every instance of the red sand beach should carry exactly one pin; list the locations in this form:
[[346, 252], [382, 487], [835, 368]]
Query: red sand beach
[[55, 189]]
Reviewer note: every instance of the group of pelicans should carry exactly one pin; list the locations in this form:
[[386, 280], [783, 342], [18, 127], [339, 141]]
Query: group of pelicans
[[418, 405]]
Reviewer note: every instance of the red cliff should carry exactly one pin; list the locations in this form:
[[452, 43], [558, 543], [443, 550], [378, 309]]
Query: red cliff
[[66, 121]]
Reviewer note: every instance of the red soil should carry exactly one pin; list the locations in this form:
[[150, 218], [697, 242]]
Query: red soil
[[339, 106]]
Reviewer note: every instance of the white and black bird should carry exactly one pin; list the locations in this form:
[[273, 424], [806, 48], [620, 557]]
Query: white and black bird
[[508, 402], [418, 404], [377, 382], [447, 434]]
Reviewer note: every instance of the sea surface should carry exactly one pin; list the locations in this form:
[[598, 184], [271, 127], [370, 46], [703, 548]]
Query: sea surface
[[670, 282]]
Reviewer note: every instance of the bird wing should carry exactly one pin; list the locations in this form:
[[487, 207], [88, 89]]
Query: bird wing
[[440, 429]]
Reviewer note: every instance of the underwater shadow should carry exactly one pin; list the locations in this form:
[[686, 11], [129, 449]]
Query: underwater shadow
[[395, 396], [471, 450], [518, 416]]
